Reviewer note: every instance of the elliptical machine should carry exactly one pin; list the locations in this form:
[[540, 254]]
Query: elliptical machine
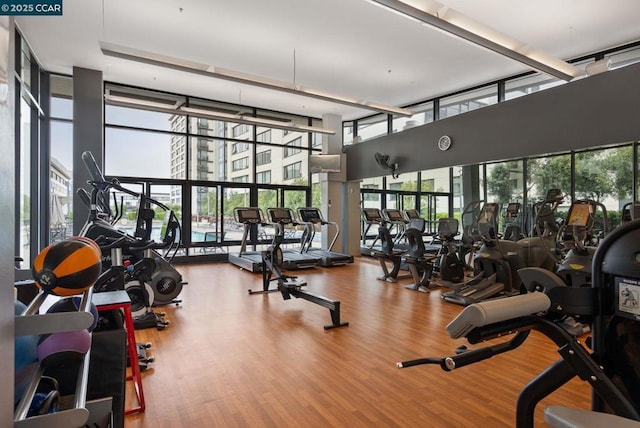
[[162, 279], [493, 265], [512, 223], [576, 236]]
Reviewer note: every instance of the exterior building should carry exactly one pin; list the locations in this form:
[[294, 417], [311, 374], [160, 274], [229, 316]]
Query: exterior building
[[60, 194]]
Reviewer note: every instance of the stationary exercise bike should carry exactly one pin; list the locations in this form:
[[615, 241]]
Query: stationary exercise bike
[[289, 285]]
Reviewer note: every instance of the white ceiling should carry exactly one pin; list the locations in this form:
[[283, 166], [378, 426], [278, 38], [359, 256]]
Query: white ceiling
[[347, 47]]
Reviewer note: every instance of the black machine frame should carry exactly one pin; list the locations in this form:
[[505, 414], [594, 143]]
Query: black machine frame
[[310, 217], [289, 285], [249, 217]]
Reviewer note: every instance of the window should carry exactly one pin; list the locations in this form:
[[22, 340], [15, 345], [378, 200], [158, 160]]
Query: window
[[239, 147], [468, 101], [263, 158], [241, 179], [515, 88], [239, 130], [145, 119], [61, 97], [372, 127], [263, 177], [125, 148], [347, 133], [291, 147], [60, 163], [606, 176], [293, 171], [264, 137], [316, 140], [505, 182], [423, 114], [240, 164]]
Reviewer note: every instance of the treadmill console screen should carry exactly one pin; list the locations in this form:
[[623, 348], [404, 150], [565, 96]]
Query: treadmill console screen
[[372, 215], [309, 215], [394, 215], [412, 213], [248, 215], [280, 215]]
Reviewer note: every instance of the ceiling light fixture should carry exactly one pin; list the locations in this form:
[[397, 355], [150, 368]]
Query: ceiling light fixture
[[439, 16], [211, 114], [165, 61]]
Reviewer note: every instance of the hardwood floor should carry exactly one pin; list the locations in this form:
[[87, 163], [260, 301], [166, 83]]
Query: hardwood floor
[[229, 359]]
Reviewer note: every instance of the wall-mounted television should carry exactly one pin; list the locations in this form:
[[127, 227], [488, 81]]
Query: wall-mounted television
[[325, 163]]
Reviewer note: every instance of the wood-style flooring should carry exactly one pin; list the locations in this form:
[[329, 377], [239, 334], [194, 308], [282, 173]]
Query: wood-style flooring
[[230, 359]]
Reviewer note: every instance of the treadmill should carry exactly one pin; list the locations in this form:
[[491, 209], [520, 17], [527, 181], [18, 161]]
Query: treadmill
[[311, 217], [250, 217], [292, 259], [370, 217]]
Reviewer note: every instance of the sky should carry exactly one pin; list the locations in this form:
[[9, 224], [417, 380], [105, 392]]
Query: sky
[[128, 153]]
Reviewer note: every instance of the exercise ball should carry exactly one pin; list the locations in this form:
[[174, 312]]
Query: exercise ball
[[89, 241], [25, 355], [72, 304], [67, 268], [63, 348]]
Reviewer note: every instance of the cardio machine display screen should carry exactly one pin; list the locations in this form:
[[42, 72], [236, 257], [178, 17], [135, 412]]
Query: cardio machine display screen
[[309, 215], [372, 214], [279, 214], [513, 208], [580, 214], [412, 214], [394, 215], [248, 215]]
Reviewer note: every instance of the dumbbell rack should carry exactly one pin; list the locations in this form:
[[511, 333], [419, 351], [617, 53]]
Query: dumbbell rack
[[31, 323]]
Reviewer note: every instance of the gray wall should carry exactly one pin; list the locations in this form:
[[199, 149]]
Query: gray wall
[[595, 111], [7, 208]]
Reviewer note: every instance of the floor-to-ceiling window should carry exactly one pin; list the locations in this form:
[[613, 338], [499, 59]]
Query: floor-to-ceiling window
[[201, 167], [606, 176], [61, 186], [30, 228]]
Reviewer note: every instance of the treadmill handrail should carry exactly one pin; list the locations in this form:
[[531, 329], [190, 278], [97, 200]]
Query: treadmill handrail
[[322, 222]]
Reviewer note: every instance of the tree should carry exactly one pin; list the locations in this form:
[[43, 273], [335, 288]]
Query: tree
[[550, 173], [592, 178], [232, 201], [316, 195], [619, 164], [500, 181]]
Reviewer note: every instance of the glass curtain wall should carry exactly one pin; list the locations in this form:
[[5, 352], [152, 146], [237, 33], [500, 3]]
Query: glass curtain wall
[[606, 176], [423, 114], [61, 158], [468, 101], [505, 185], [204, 168], [31, 228], [372, 127]]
